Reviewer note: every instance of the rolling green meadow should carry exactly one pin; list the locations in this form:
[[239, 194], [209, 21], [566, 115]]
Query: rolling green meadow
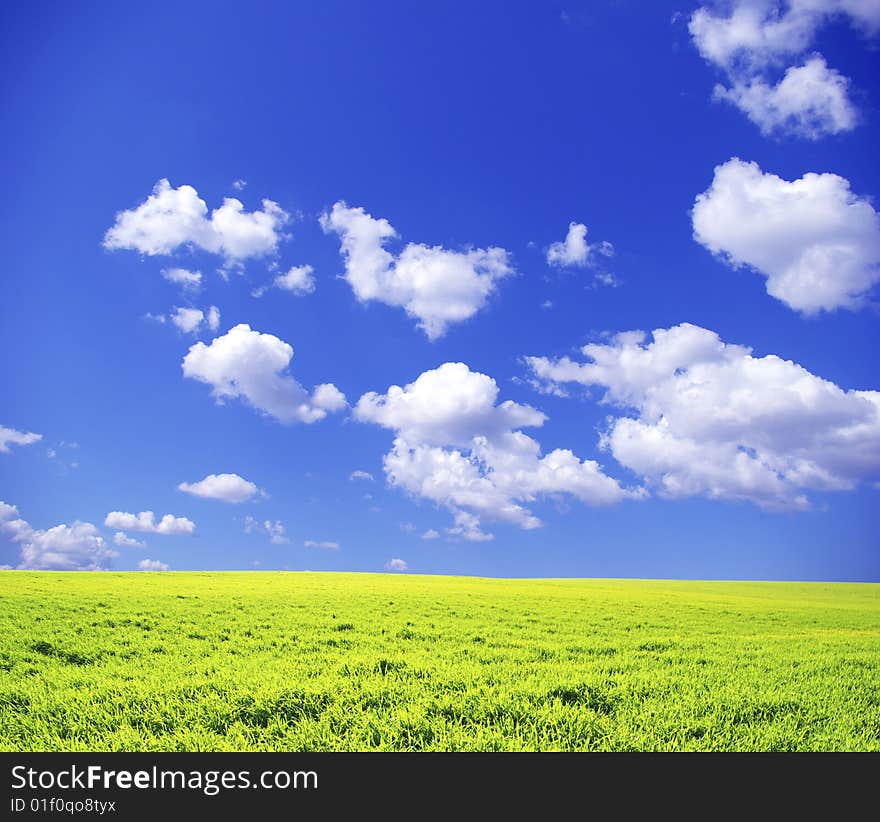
[[318, 661]]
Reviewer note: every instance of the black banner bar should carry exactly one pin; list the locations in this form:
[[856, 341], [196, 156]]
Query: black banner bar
[[133, 786]]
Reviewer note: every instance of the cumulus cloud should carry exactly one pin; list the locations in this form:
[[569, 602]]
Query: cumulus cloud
[[810, 101], [396, 564], [187, 320], [145, 522], [251, 366], [817, 243], [223, 487], [432, 284], [76, 547], [171, 218], [13, 526], [9, 436], [755, 37], [574, 250], [298, 280], [274, 530], [125, 541], [152, 565], [325, 545], [431, 534], [760, 32], [188, 280], [361, 475], [710, 419], [458, 447], [190, 320]]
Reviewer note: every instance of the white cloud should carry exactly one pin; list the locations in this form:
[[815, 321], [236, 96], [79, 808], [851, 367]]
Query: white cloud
[[15, 528], [456, 447], [152, 565], [396, 564], [467, 527], [817, 243], [325, 545], [188, 280], [187, 320], [213, 318], [757, 36], [434, 285], [239, 185], [275, 530], [9, 436], [328, 397], [712, 420], [190, 320], [447, 405], [361, 475], [125, 541], [76, 547], [606, 278], [407, 527], [575, 251], [760, 32], [145, 522], [171, 218], [810, 101], [223, 487], [252, 366], [298, 280], [431, 534]]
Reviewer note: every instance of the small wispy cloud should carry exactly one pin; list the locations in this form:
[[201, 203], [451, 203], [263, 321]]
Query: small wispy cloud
[[325, 545], [274, 530]]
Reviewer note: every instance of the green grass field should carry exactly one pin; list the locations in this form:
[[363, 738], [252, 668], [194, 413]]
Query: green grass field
[[309, 661]]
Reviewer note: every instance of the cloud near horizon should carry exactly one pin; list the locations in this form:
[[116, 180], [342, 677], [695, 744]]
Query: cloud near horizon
[[457, 447], [710, 419], [274, 530], [153, 565], [145, 522], [75, 547]]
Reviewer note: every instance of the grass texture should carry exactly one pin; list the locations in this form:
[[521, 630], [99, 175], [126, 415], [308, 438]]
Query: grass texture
[[330, 662]]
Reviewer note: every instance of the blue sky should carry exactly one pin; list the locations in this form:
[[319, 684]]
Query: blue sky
[[691, 453]]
